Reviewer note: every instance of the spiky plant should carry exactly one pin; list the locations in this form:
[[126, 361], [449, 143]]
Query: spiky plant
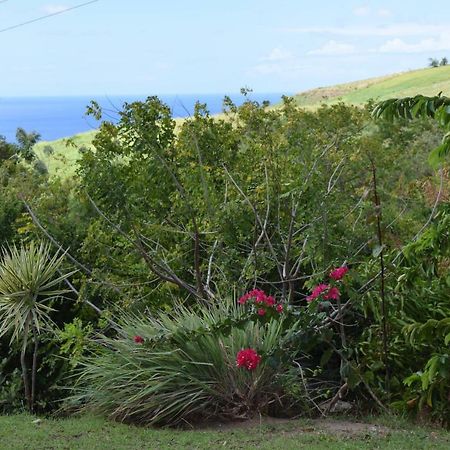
[[182, 367], [29, 279]]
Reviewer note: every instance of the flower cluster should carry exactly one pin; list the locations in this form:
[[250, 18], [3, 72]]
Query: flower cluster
[[327, 291], [339, 273], [248, 358], [262, 301], [138, 339]]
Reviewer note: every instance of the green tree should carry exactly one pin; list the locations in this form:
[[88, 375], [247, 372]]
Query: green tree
[[26, 142], [29, 281], [433, 62], [437, 107]]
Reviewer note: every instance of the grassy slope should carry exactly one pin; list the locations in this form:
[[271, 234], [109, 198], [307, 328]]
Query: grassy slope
[[424, 81], [20, 432], [63, 161]]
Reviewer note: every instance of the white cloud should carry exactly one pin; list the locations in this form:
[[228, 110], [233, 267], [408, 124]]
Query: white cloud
[[384, 12], [277, 54], [54, 9], [397, 45], [361, 11], [334, 48], [396, 30], [277, 61]]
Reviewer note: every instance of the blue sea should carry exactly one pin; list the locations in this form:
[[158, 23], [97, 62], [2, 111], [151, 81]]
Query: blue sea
[[58, 117]]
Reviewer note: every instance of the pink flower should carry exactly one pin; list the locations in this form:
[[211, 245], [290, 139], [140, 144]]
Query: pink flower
[[279, 308], [332, 294], [248, 358], [261, 312], [138, 339], [317, 291], [339, 273], [259, 297]]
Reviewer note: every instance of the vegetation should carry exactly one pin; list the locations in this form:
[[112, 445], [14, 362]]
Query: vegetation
[[28, 283], [96, 433], [407, 84], [268, 261]]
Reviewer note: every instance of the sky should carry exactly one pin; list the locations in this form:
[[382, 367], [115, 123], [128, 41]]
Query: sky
[[136, 47]]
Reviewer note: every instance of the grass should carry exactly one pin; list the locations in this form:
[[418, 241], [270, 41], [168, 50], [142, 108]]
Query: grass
[[24, 432], [63, 161], [429, 81]]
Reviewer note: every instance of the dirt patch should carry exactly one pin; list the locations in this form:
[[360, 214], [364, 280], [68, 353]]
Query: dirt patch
[[346, 427], [293, 426]]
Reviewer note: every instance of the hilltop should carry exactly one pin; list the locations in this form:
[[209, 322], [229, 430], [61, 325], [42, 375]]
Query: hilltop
[[428, 81]]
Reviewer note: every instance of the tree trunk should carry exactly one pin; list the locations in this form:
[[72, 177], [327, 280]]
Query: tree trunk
[[23, 364], [34, 368]]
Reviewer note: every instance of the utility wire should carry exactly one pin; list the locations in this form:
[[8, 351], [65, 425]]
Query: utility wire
[[46, 16]]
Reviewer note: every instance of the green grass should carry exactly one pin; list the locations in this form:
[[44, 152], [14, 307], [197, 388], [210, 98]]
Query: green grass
[[63, 161], [20, 432], [429, 81]]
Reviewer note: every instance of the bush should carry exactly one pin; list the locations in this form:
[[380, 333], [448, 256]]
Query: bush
[[187, 365]]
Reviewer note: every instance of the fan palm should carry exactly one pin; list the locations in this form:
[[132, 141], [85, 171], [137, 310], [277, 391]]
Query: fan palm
[[29, 280]]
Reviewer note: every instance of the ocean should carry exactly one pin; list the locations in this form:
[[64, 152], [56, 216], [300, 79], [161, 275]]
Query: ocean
[[59, 117]]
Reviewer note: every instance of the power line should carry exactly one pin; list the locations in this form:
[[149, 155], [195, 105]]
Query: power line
[[46, 16]]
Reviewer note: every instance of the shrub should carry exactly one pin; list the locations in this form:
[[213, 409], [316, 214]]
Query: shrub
[[186, 365]]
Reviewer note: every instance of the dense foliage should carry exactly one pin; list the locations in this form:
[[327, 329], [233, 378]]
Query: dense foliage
[[162, 214]]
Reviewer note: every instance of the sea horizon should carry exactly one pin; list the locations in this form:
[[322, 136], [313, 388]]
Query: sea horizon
[[56, 117]]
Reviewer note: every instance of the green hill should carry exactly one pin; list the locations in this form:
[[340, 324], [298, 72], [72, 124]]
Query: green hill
[[65, 152], [429, 81]]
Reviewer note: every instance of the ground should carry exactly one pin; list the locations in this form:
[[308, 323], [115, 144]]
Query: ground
[[91, 433]]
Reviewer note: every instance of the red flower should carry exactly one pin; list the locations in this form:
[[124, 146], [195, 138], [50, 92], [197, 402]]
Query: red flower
[[138, 339], [279, 308], [256, 294], [317, 291], [332, 294], [261, 311], [270, 301], [248, 358], [339, 273]]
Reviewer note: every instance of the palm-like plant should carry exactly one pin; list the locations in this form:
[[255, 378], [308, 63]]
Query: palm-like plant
[[29, 280]]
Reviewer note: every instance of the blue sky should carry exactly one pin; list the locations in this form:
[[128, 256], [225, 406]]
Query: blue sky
[[181, 47]]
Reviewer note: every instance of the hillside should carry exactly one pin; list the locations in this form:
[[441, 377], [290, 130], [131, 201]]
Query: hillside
[[62, 162], [428, 81]]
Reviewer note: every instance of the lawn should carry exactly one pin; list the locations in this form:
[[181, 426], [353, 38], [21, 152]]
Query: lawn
[[26, 432]]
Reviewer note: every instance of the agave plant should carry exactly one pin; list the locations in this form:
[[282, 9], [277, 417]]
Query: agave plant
[[29, 280]]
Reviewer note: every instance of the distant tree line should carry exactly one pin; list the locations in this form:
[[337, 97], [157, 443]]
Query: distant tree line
[[434, 62]]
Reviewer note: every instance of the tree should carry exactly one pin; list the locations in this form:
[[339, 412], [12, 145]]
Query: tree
[[437, 107], [7, 150], [26, 142], [444, 61], [433, 62], [29, 280]]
